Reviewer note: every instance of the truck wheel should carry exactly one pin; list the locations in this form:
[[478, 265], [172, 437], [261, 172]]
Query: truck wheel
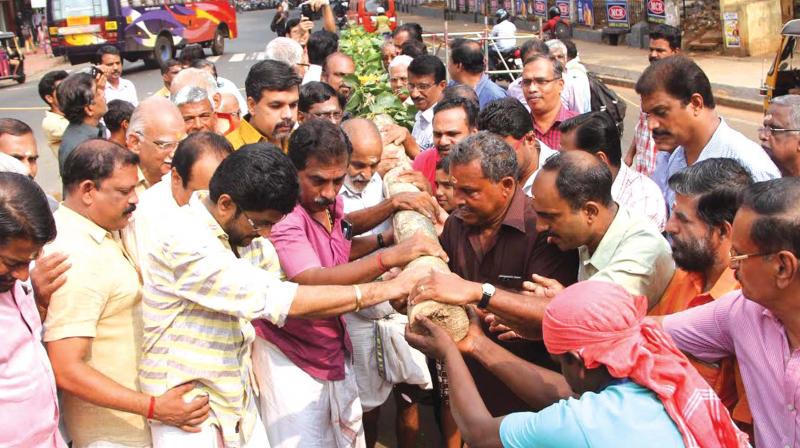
[[162, 52], [218, 43]]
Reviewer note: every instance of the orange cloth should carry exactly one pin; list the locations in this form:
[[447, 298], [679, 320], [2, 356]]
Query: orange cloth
[[685, 291], [607, 327]]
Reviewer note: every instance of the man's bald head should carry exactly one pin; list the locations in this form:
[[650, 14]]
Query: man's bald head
[[367, 148], [337, 66], [153, 109]]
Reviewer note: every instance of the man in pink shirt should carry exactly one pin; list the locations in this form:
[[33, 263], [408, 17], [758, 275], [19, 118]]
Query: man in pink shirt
[[453, 120], [758, 324], [28, 403], [309, 395]]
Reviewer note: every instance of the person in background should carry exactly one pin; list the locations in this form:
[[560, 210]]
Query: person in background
[[278, 24], [444, 186], [197, 108], [634, 387], [467, 66], [299, 30], [273, 94], [529, 49], [381, 22], [228, 115], [337, 66], [320, 45], [576, 94], [93, 329], [319, 100], [398, 77], [117, 119], [17, 141], [81, 97], [780, 136], [388, 53], [168, 71], [681, 113], [596, 133], [504, 32], [223, 85], [289, 52], [155, 130], [29, 400], [643, 155], [406, 32], [191, 53], [414, 48], [508, 119], [117, 88], [54, 122], [542, 82], [427, 78]]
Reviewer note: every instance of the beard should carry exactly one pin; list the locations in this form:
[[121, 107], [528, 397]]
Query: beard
[[356, 184], [694, 255]]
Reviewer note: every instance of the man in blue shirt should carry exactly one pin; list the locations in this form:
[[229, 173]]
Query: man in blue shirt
[[636, 389], [467, 66]]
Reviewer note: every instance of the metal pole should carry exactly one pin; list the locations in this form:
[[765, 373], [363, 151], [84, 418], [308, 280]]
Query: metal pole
[[446, 51]]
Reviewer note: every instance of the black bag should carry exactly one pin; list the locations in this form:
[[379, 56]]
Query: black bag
[[562, 31], [604, 99]]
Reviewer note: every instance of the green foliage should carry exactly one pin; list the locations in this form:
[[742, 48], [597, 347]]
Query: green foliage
[[372, 95]]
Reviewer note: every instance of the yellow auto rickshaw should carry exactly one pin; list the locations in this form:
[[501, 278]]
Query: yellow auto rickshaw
[[784, 76]]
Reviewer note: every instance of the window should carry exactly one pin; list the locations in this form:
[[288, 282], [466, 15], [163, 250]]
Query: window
[[78, 8]]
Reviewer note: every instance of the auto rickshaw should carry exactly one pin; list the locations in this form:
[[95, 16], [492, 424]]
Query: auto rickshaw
[[784, 76], [12, 61]]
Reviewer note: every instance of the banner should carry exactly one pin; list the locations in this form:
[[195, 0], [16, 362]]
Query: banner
[[732, 37], [617, 13], [563, 6], [656, 11], [586, 12], [540, 8]]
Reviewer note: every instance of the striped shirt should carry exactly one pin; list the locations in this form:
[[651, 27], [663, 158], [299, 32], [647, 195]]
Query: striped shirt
[[734, 325], [199, 299]]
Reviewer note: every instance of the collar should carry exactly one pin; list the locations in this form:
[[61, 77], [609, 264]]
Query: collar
[[624, 173], [82, 223], [725, 283], [426, 115], [141, 180], [721, 128], [563, 114], [200, 210], [611, 240], [249, 133], [123, 84]]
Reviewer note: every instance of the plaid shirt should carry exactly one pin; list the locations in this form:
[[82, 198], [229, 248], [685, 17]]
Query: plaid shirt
[[645, 159], [552, 136]]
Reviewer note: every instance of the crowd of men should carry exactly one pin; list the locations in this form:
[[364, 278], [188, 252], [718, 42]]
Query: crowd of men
[[209, 277]]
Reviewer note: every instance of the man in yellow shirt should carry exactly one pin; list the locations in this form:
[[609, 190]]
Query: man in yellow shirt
[[54, 122], [273, 93], [171, 68]]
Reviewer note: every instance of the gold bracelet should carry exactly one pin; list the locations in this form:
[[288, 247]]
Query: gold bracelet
[[358, 297]]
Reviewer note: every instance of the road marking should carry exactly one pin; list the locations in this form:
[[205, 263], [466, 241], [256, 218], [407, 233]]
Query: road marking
[[212, 58], [24, 108], [238, 57]]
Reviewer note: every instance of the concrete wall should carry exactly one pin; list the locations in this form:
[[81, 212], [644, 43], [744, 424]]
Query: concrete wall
[[760, 23]]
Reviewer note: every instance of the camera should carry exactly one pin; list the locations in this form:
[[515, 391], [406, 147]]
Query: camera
[[306, 11]]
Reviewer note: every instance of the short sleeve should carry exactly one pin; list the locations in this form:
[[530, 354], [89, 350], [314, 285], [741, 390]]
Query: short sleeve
[[704, 331], [554, 426], [76, 307], [294, 249]]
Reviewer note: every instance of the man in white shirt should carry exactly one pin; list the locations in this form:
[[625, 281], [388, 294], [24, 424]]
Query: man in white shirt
[[597, 134], [677, 98], [426, 82], [363, 192], [509, 119], [109, 59], [504, 31], [576, 94]]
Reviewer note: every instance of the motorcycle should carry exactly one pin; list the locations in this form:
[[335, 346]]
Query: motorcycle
[[504, 60], [340, 13]]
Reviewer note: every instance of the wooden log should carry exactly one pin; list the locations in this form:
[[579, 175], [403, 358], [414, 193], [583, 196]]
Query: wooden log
[[452, 318]]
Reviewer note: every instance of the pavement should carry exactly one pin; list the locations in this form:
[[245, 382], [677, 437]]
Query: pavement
[[735, 80]]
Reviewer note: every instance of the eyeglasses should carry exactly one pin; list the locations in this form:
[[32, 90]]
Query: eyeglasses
[[769, 130], [540, 82], [162, 145], [333, 115], [736, 259], [420, 87], [256, 227]]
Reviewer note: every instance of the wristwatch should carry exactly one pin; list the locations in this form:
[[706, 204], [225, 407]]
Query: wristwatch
[[381, 243], [488, 292]]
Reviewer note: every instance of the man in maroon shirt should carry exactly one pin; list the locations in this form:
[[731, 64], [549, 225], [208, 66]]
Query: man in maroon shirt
[[542, 84], [491, 238]]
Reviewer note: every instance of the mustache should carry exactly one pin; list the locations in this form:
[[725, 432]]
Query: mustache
[[323, 202], [129, 209], [359, 178], [287, 123], [660, 133]]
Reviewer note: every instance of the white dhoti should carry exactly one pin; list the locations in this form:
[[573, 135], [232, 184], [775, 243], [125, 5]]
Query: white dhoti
[[166, 436], [300, 411]]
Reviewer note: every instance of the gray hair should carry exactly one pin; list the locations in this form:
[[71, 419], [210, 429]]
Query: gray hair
[[558, 67], [498, 160], [190, 95], [195, 77], [402, 60], [793, 103], [285, 50], [555, 45]]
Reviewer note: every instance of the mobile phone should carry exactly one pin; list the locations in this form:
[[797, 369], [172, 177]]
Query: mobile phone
[[309, 13], [92, 70], [347, 230]]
